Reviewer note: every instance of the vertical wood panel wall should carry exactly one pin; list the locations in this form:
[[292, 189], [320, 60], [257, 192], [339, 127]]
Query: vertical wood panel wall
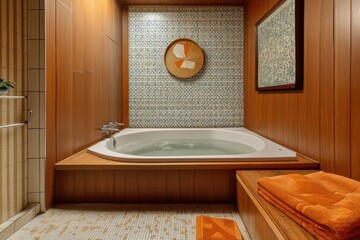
[[157, 186], [322, 120], [355, 89], [13, 67], [83, 75], [50, 100], [88, 67]]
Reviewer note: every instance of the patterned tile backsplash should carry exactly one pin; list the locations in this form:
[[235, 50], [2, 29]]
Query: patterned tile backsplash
[[212, 98]]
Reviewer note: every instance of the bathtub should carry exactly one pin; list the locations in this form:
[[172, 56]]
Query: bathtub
[[124, 146]]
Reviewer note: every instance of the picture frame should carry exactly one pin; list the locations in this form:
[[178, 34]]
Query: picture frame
[[279, 47]]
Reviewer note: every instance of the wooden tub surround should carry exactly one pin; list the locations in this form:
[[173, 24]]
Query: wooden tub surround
[[84, 177], [86, 161], [263, 220]]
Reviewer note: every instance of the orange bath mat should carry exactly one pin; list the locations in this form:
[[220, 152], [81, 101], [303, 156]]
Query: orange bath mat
[[208, 228]]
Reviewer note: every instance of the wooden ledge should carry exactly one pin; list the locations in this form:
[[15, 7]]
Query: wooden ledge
[[86, 161], [263, 220]]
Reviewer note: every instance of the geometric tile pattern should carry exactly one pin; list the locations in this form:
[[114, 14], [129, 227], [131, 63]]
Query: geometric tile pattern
[[36, 102], [124, 221], [213, 97]]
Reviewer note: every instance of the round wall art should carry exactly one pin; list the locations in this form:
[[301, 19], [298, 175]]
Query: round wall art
[[184, 58]]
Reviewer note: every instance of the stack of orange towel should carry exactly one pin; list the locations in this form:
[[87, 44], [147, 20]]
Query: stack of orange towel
[[327, 205]]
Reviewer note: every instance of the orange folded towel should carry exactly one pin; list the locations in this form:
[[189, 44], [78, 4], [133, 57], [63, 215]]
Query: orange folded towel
[[325, 204], [209, 228]]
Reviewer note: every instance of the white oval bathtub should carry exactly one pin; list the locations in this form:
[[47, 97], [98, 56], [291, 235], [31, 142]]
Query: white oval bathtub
[[240, 144]]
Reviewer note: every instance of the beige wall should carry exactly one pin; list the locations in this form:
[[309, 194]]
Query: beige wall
[[13, 141], [36, 102], [22, 148]]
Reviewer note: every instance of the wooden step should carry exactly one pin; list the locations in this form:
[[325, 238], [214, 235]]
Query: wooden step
[[263, 220]]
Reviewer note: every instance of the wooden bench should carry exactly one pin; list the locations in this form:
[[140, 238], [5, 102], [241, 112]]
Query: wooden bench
[[263, 220]]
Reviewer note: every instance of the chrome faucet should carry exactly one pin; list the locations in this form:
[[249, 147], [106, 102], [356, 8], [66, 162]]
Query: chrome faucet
[[111, 127], [114, 124]]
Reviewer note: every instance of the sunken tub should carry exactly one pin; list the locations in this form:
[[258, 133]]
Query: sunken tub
[[189, 145], [169, 166]]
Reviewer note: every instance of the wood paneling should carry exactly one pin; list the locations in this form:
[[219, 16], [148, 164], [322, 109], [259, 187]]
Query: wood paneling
[[125, 67], [342, 86], [256, 226], [67, 3], [312, 42], [64, 86], [327, 85], [87, 161], [50, 101], [182, 2], [355, 90], [154, 186], [88, 71], [110, 76], [318, 120], [83, 75], [104, 180]]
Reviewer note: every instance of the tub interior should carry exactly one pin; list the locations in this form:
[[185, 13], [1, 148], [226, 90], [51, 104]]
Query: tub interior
[[159, 145], [185, 143]]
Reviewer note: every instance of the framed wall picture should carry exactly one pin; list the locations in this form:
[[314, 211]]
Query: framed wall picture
[[279, 47]]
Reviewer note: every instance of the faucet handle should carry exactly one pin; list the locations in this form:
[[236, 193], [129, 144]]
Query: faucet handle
[[113, 124], [104, 131]]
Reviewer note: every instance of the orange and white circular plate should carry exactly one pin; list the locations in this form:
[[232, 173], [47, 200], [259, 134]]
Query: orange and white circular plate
[[184, 58]]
